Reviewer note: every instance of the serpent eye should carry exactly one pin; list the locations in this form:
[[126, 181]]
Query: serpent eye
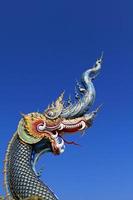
[[50, 113], [41, 126]]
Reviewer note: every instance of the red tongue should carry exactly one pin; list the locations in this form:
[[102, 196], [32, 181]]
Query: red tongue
[[67, 142]]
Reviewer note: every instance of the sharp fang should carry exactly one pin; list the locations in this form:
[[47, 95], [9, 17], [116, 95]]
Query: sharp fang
[[55, 136], [61, 126], [83, 125], [61, 144]]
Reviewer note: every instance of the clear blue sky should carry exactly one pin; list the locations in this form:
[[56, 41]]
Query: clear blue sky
[[44, 47]]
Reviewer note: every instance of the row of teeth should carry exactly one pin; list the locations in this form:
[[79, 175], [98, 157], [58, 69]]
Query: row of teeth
[[82, 123], [60, 142], [73, 126]]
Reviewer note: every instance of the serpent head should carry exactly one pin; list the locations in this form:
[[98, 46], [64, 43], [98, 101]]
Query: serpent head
[[49, 126]]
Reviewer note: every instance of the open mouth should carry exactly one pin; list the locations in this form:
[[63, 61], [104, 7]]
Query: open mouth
[[55, 135]]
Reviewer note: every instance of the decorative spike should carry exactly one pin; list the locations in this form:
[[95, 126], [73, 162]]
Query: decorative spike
[[62, 95], [94, 71], [77, 83], [36, 114], [52, 105], [101, 58], [32, 116], [22, 114], [98, 62], [97, 109], [48, 106], [80, 88], [60, 98], [94, 113], [69, 102], [77, 96], [25, 120]]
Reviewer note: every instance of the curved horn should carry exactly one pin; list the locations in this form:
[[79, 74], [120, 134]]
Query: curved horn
[[88, 91]]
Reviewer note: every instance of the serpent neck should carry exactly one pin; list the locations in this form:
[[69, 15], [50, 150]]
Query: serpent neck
[[22, 180]]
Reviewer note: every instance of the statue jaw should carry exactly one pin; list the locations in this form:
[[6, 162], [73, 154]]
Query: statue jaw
[[68, 126], [35, 127]]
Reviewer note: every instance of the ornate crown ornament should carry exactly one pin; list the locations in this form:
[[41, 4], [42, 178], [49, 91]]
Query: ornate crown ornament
[[54, 110]]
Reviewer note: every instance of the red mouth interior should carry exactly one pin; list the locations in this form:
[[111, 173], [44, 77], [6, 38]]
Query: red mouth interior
[[70, 129]]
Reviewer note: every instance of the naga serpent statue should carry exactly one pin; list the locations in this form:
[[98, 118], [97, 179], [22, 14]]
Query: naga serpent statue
[[38, 133]]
